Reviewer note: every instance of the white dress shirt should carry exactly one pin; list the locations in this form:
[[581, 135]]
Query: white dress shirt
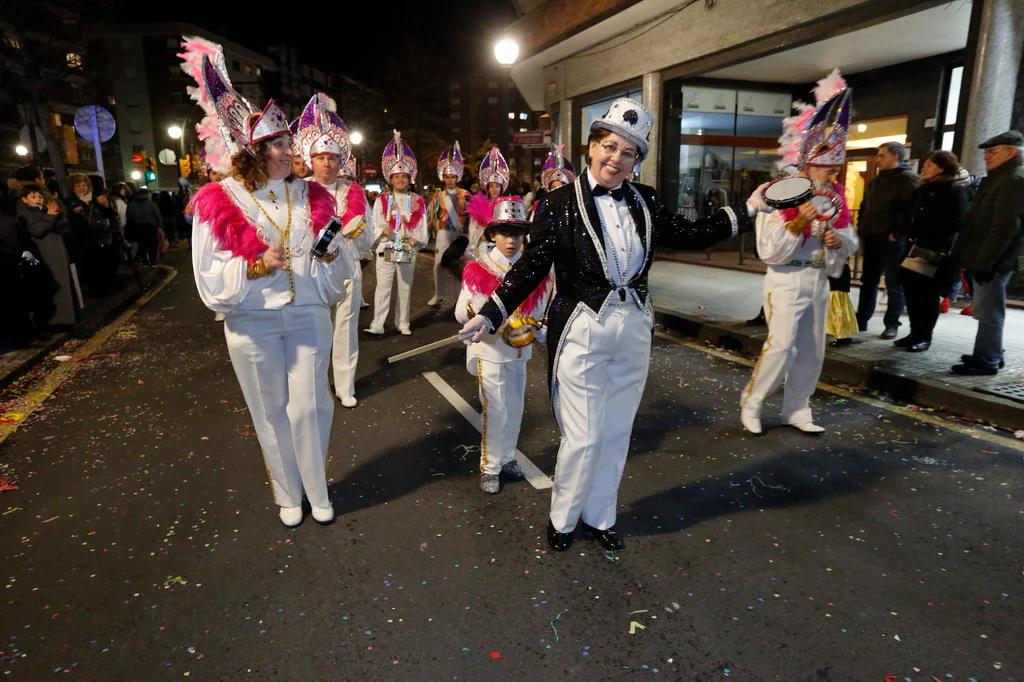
[[623, 249]]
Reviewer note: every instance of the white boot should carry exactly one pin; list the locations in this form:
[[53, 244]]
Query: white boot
[[323, 514], [291, 516], [751, 421], [808, 427]]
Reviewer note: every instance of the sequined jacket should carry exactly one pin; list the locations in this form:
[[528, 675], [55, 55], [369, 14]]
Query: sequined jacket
[[567, 234]]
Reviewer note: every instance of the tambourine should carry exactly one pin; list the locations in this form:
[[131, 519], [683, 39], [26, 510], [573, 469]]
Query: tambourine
[[399, 253], [520, 332], [826, 202], [788, 193]]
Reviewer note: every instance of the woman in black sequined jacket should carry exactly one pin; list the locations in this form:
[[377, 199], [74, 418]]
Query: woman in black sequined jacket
[[600, 234]]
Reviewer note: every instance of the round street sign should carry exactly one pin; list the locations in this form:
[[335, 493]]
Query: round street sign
[[94, 122], [167, 157]]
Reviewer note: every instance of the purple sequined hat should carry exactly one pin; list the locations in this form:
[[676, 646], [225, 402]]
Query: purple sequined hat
[[451, 162], [398, 158], [319, 130], [494, 169], [556, 167]]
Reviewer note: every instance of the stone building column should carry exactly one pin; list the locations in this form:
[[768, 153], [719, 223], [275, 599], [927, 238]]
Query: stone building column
[[651, 167], [997, 28], [565, 127]]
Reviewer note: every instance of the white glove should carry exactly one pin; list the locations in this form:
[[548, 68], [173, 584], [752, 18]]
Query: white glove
[[756, 200], [479, 325], [27, 256]]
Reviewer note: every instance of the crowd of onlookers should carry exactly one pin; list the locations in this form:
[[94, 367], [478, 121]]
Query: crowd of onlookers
[[57, 250], [940, 231]]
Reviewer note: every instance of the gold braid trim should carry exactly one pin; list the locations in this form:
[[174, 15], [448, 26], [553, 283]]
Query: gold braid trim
[[483, 399]]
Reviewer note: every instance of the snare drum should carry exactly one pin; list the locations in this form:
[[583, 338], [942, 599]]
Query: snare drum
[[519, 332], [788, 193], [398, 253]]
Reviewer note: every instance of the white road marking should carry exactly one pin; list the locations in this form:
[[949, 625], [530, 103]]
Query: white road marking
[[534, 475]]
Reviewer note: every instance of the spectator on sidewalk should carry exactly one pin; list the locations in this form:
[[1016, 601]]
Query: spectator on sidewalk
[[169, 214], [144, 226], [46, 226], [94, 223], [991, 246], [882, 214], [937, 215]]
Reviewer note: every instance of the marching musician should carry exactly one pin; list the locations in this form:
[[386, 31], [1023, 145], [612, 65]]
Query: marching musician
[[321, 140], [494, 176], [555, 172], [499, 362], [253, 235], [802, 249], [448, 217], [400, 231], [600, 233]]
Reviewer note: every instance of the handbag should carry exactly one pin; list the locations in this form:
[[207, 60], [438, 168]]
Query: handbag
[[922, 261], [100, 228]]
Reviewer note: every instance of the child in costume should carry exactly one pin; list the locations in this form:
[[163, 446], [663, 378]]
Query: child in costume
[[499, 361]]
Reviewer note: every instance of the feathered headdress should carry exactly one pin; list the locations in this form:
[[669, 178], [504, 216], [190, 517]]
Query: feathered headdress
[[817, 135], [398, 158], [319, 130], [494, 169], [451, 162], [556, 167], [229, 124], [349, 169]]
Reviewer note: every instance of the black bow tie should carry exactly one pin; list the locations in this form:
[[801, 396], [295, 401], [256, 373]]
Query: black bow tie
[[619, 193]]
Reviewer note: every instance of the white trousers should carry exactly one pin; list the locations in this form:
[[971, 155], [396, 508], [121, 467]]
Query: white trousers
[[502, 395], [444, 280], [796, 307], [600, 378], [345, 352], [281, 359], [387, 273]]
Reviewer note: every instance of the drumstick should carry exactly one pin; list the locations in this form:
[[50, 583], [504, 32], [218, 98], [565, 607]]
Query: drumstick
[[431, 346]]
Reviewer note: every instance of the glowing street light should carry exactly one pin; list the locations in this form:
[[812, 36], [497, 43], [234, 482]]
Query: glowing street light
[[174, 132], [136, 175], [506, 52], [356, 137], [21, 150]]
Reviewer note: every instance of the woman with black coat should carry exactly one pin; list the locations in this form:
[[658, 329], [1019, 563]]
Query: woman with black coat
[[937, 214]]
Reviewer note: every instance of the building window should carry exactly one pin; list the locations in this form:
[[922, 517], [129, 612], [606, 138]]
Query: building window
[[954, 79], [523, 130], [456, 131], [492, 100], [12, 41], [259, 71], [511, 115], [248, 69], [236, 65], [522, 116], [492, 85], [455, 116], [111, 100], [456, 101], [453, 85], [74, 60]]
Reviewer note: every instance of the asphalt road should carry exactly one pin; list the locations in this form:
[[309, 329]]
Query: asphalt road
[[142, 542]]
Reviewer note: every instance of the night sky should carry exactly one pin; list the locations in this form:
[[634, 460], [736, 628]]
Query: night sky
[[459, 33]]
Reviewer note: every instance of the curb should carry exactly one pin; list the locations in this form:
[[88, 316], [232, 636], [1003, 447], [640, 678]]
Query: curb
[[104, 312], [923, 391]]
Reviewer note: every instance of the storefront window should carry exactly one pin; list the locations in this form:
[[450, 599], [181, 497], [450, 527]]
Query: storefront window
[[728, 145]]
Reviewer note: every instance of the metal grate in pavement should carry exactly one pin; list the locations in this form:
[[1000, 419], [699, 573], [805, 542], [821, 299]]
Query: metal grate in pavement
[[1014, 391]]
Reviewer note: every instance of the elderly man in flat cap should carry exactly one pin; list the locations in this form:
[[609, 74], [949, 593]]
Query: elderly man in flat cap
[[991, 246]]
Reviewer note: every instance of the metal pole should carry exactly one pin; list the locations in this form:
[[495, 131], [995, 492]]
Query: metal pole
[[96, 144]]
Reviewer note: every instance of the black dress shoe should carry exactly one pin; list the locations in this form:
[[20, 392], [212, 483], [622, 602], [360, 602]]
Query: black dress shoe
[[608, 538], [905, 342], [889, 333], [919, 347], [839, 343], [968, 359], [558, 541], [974, 370]]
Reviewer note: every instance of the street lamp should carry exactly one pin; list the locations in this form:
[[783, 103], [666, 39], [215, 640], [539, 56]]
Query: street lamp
[[506, 51], [356, 137], [21, 150], [174, 132], [136, 175]]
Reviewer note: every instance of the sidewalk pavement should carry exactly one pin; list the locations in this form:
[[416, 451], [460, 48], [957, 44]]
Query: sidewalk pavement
[[712, 303], [97, 312]]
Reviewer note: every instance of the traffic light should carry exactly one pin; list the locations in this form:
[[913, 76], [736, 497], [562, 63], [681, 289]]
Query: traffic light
[[185, 166], [150, 170]]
